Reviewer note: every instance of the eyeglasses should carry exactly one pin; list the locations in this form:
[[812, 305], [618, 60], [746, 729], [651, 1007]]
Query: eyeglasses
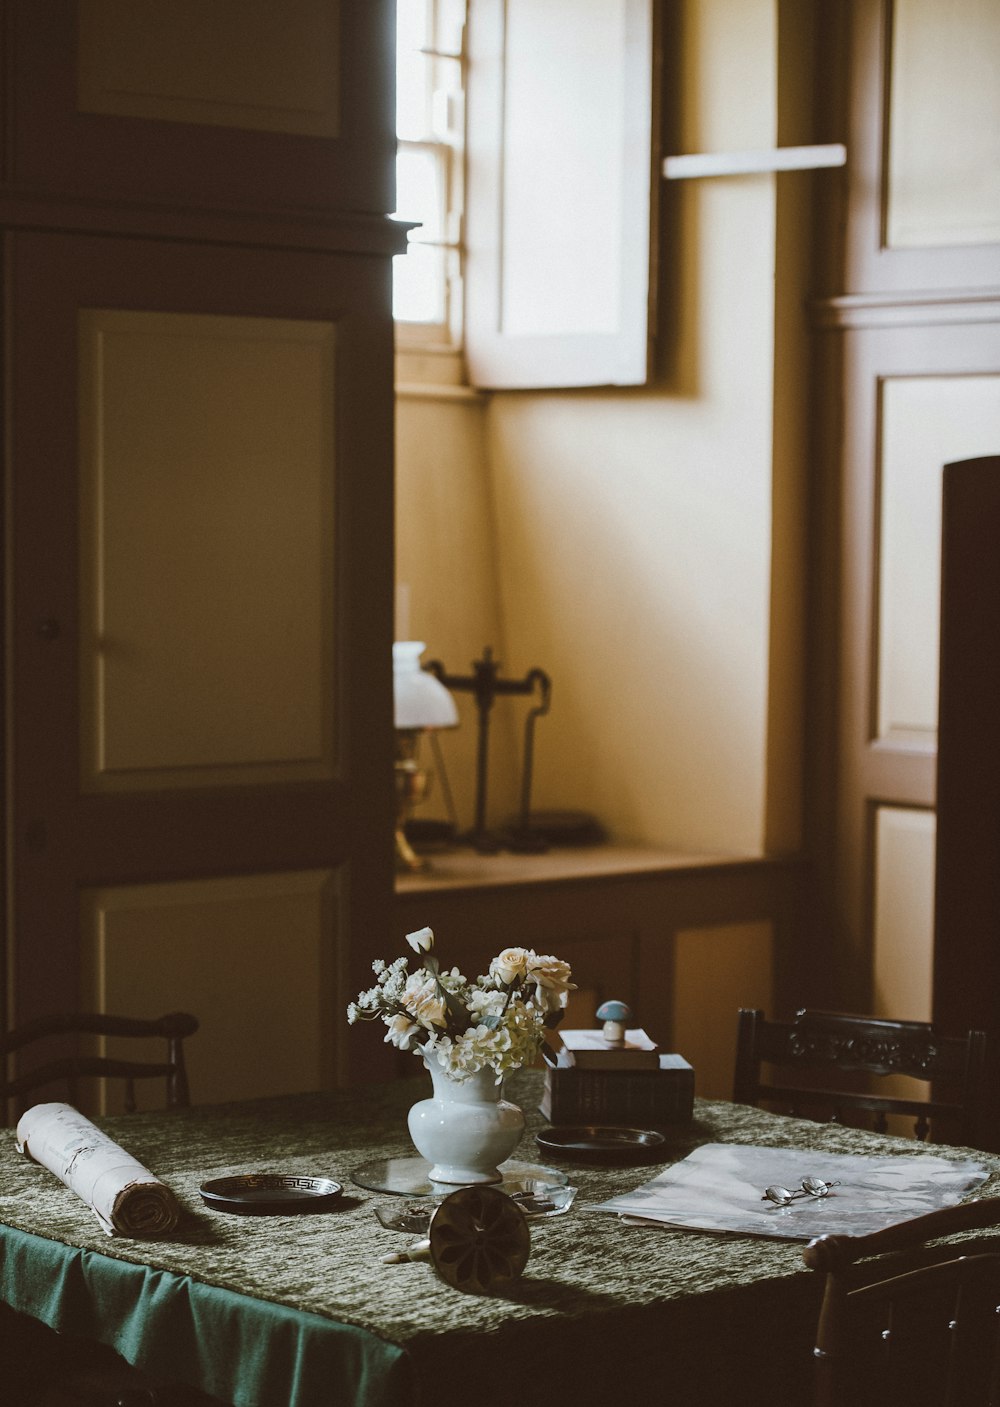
[[808, 1187]]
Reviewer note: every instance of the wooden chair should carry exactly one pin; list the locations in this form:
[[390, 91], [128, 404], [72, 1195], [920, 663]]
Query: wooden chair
[[38, 1365], [820, 1050], [926, 1335], [67, 1070]]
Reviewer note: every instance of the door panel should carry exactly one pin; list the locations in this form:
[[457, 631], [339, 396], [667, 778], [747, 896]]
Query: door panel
[[207, 457], [924, 422], [279, 106], [227, 64], [209, 946], [940, 192], [923, 143], [903, 923]]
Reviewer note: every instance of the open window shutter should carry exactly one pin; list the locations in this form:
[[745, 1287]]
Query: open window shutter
[[563, 168]]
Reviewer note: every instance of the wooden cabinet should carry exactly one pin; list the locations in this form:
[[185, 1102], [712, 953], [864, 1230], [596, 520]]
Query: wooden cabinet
[[194, 205]]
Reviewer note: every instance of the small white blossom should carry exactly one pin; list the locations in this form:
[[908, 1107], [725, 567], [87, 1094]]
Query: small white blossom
[[422, 940], [401, 1031]]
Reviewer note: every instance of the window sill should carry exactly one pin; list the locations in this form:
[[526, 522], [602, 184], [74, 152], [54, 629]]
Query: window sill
[[433, 373], [431, 391], [464, 870]]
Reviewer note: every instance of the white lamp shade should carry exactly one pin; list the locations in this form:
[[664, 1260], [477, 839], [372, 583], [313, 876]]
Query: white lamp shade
[[421, 700]]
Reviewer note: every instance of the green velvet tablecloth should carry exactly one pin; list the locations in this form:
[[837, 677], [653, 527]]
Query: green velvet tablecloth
[[299, 1311]]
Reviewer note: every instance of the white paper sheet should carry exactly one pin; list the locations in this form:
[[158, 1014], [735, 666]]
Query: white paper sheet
[[125, 1196], [719, 1187]]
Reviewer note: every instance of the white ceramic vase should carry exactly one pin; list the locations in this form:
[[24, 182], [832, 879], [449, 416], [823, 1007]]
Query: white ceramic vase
[[465, 1130]]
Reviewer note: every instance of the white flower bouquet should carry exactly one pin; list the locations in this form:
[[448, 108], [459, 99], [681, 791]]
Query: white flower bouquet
[[496, 1022]]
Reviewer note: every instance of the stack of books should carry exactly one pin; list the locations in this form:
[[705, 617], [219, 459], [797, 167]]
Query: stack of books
[[634, 1084]]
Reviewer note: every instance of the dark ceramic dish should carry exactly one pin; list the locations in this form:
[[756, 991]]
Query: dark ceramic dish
[[270, 1194]]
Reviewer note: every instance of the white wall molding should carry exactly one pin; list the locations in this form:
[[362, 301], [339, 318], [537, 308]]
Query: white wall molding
[[753, 163], [960, 305]]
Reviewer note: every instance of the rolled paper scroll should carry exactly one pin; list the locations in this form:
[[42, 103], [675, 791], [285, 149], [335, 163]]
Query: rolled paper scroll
[[125, 1196]]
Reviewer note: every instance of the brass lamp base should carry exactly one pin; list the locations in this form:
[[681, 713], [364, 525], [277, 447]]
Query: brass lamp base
[[407, 859], [412, 784]]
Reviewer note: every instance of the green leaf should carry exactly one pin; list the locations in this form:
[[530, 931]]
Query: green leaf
[[458, 1016]]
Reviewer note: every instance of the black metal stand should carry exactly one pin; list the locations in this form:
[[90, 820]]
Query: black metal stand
[[486, 685]]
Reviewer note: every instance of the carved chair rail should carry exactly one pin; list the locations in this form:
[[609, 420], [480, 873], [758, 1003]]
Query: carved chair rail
[[817, 1060]]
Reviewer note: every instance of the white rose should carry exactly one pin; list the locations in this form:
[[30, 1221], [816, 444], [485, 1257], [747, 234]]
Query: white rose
[[511, 964], [422, 940]]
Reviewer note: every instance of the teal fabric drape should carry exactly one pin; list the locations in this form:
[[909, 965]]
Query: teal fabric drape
[[247, 1351]]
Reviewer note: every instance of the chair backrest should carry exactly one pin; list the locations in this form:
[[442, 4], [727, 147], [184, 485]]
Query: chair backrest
[[814, 1057], [923, 1335], [67, 1070]]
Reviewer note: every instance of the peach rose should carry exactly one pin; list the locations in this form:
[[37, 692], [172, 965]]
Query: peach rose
[[423, 1001], [551, 973]]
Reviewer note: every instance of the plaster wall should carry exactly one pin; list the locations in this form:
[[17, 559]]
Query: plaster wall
[[622, 540]]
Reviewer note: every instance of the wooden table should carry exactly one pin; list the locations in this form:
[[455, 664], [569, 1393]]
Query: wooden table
[[301, 1312]]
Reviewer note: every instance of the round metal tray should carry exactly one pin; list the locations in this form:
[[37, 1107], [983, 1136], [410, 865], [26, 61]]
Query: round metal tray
[[601, 1143]]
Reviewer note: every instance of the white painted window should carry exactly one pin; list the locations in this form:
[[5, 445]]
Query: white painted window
[[528, 152], [430, 126]]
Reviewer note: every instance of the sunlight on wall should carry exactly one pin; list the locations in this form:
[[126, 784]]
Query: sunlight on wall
[[447, 579], [634, 528], [621, 540]]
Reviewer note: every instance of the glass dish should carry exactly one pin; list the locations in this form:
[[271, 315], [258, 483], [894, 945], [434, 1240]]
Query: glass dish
[[407, 1177], [536, 1197]]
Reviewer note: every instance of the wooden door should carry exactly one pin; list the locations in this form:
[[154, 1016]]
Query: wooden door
[[911, 381]]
